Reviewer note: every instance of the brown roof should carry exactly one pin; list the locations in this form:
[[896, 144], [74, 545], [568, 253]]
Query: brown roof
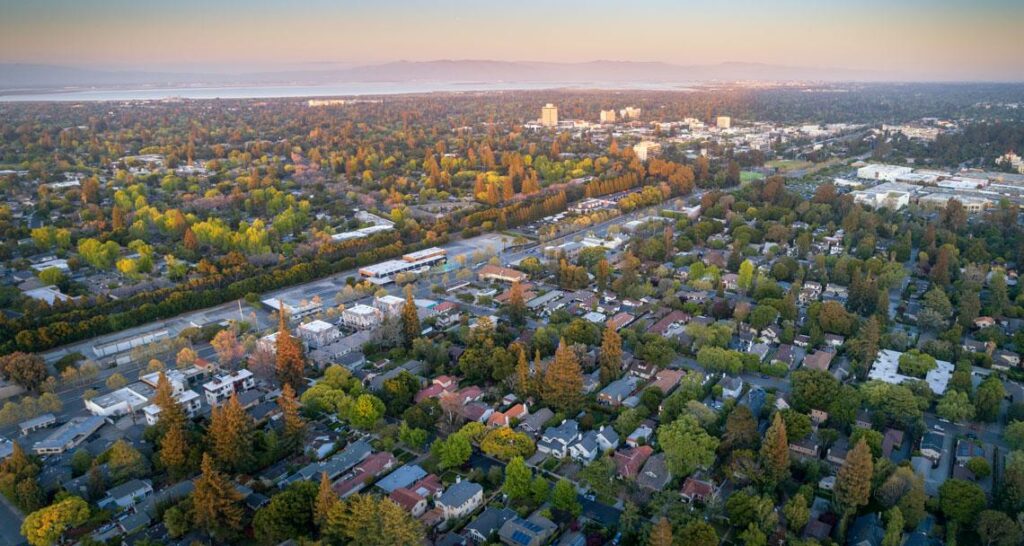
[[629, 461], [697, 489], [405, 498], [819, 360]]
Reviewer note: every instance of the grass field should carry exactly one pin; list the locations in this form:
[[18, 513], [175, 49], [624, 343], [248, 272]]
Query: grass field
[[747, 177], [786, 165]]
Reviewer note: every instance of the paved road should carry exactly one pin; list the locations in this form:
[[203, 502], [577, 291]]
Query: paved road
[[10, 524]]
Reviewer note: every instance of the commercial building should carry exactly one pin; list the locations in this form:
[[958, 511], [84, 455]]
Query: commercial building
[[69, 435], [121, 402], [607, 116], [646, 149], [887, 173], [389, 305], [887, 365], [492, 272], [361, 317], [891, 195], [971, 204], [723, 122], [630, 112], [421, 260], [549, 115]]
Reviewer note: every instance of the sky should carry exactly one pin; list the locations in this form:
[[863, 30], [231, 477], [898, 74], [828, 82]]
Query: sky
[[947, 39]]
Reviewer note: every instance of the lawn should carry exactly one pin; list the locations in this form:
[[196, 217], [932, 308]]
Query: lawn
[[786, 165], [747, 177]]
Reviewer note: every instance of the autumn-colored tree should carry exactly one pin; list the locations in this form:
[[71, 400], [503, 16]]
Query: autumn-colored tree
[[563, 382], [46, 526], [853, 481], [290, 363], [522, 372], [410, 318], [216, 503], [604, 274], [610, 359], [125, 462], [775, 451], [186, 357], [294, 424], [231, 434], [661, 533], [371, 521], [171, 414], [174, 449], [516, 305], [326, 499], [226, 344]]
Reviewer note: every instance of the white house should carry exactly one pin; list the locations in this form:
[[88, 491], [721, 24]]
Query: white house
[[361, 317], [318, 333], [223, 386], [556, 440], [188, 400], [460, 499]]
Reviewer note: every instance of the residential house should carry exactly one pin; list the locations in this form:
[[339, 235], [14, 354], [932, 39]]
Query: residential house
[[412, 502], [615, 392], [485, 525], [318, 333], [641, 435], [666, 380], [126, 494], [403, 476], [506, 418], [491, 272], [533, 531], [460, 499], [556, 440], [819, 360], [446, 314], [806, 447], [732, 387], [696, 490], [629, 461], [220, 389], [892, 440], [365, 471], [655, 474], [533, 423], [932, 446], [593, 443], [967, 449]]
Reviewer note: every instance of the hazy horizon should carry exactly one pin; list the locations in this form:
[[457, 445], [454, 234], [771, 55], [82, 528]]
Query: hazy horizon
[[918, 39]]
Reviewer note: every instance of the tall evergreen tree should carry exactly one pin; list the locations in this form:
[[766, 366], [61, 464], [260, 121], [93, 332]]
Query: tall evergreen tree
[[563, 382], [522, 372], [231, 435], [171, 414], [410, 318], [610, 359], [294, 424], [326, 499], [290, 362], [216, 504], [174, 449], [775, 451], [853, 482], [516, 305]]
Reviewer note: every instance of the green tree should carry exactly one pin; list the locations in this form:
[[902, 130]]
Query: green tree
[[517, 479], [687, 446], [961, 501], [988, 397], [797, 513], [893, 528], [699, 533], [563, 497], [955, 406], [27, 370], [46, 526], [366, 411], [740, 430], [288, 515], [452, 451], [540, 490], [1014, 435], [997, 529], [505, 443], [746, 275]]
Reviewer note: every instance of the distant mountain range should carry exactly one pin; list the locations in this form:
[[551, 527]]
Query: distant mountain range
[[34, 76]]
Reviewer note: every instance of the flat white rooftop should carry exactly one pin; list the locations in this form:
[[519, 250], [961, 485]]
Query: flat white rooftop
[[886, 368]]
